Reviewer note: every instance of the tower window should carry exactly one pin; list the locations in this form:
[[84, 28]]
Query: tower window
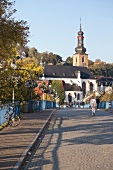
[[83, 59]]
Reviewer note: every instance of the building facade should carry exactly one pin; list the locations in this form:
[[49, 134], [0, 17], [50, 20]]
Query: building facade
[[78, 80]]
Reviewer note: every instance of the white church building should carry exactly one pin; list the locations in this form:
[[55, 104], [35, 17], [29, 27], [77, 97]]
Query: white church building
[[78, 80]]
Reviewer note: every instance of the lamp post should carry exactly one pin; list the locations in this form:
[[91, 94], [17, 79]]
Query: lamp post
[[14, 81], [30, 84]]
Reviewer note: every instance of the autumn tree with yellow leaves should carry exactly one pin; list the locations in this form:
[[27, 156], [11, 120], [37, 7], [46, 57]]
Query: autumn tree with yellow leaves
[[12, 32], [27, 69]]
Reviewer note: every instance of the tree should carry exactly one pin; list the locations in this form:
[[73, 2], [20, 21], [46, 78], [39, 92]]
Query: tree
[[27, 68], [22, 52], [90, 62], [97, 60], [33, 52], [58, 86], [32, 65], [69, 61], [12, 32], [102, 70]]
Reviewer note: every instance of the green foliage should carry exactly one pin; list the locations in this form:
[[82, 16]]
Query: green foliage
[[102, 70], [27, 68], [14, 81], [32, 65], [57, 85], [90, 62], [51, 58], [33, 52], [69, 61], [46, 57], [12, 32]]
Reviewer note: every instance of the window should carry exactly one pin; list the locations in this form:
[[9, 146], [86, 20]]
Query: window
[[78, 96], [75, 94], [91, 87], [84, 88], [83, 59]]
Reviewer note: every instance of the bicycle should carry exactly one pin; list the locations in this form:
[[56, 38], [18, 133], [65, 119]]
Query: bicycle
[[12, 119]]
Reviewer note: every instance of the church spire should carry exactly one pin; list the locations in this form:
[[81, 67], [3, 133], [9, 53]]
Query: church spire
[[80, 25], [80, 47]]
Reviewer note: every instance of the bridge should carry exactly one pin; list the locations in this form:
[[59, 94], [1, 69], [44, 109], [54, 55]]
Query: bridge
[[58, 139]]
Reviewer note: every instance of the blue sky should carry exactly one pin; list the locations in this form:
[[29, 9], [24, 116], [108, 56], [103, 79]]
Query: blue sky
[[54, 25]]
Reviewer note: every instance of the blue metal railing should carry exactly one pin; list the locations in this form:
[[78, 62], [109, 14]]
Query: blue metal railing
[[33, 105], [26, 107], [4, 108]]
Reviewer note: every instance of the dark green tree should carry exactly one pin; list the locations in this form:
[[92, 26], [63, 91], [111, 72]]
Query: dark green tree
[[90, 62], [58, 86], [69, 61], [105, 70]]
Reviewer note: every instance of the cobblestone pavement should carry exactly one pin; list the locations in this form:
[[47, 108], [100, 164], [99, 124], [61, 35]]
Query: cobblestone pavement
[[14, 140], [76, 140]]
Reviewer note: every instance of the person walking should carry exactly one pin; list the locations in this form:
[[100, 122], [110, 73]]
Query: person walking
[[93, 105]]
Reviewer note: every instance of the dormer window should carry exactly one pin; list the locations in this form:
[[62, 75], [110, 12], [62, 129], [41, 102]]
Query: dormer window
[[64, 74], [73, 74], [54, 74]]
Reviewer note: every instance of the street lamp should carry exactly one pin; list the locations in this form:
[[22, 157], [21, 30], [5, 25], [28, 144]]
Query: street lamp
[[14, 81], [31, 84]]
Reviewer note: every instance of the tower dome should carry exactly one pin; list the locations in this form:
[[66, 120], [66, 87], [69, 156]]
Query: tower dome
[[80, 58], [80, 49]]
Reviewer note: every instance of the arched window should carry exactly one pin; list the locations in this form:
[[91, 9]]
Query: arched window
[[84, 88], [75, 94], [69, 97], [76, 60], [91, 87], [83, 59], [78, 96]]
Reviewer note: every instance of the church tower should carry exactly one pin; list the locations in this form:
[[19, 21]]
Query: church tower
[[80, 58]]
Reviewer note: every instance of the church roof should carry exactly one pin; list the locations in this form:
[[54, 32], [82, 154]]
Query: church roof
[[74, 87], [59, 71]]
